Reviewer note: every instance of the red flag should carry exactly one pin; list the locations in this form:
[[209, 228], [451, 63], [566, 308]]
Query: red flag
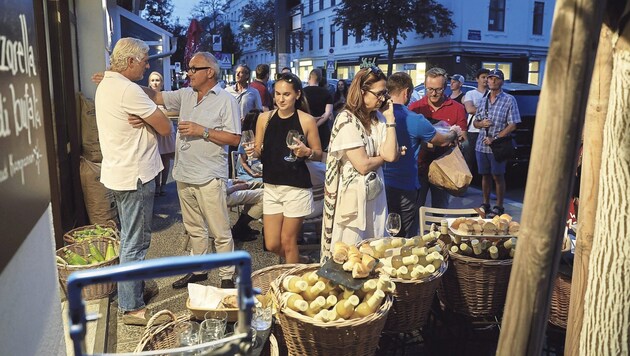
[[192, 40]]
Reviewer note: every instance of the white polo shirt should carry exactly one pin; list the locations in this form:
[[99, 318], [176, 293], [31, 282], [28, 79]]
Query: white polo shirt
[[129, 153]]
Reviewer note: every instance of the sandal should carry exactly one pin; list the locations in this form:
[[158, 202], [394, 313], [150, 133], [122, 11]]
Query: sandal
[[485, 209], [496, 211]]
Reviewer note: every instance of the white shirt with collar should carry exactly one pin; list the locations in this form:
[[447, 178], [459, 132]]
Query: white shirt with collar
[[204, 160], [129, 153]]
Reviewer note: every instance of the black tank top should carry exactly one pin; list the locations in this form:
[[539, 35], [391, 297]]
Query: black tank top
[[275, 169]]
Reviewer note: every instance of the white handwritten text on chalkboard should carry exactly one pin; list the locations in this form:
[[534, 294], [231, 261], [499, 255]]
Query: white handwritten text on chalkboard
[[17, 55]]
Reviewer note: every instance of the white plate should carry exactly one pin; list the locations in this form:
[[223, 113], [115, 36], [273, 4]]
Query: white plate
[[457, 233]]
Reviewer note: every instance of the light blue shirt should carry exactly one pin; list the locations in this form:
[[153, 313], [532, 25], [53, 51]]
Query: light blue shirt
[[503, 112], [204, 160]]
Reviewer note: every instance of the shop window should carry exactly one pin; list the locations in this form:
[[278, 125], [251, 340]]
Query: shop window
[[539, 11], [506, 68], [496, 16], [533, 75]]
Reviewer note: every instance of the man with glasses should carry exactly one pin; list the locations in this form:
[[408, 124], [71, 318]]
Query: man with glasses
[[209, 122], [436, 107], [246, 97], [131, 160], [401, 177]]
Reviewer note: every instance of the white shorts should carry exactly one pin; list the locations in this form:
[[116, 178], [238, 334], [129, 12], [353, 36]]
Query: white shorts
[[289, 201]]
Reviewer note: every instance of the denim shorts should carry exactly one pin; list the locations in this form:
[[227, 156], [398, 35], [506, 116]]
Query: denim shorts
[[486, 164]]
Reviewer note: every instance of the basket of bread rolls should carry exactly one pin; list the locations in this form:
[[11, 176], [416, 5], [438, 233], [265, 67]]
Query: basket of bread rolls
[[416, 266], [319, 317], [480, 261]]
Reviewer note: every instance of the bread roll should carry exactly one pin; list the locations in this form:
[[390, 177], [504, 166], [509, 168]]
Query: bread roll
[[455, 224], [507, 217], [477, 229], [464, 229], [229, 302], [514, 227], [489, 228], [340, 252]]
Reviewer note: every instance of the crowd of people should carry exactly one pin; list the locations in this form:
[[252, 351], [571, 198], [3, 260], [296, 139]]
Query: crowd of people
[[375, 145]]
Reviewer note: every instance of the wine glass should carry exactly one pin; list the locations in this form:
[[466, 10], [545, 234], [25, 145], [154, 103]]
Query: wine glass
[[393, 224], [185, 144], [247, 141], [291, 136]]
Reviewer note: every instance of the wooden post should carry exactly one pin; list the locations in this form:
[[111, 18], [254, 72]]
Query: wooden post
[[591, 164], [557, 135]]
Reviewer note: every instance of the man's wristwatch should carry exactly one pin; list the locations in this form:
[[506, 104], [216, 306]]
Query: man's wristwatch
[[206, 134]]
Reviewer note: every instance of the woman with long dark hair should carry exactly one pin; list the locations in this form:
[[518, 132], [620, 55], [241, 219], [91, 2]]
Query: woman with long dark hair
[[287, 194], [362, 140]]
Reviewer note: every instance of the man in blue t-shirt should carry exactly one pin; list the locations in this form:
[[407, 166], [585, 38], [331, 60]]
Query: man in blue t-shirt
[[401, 177]]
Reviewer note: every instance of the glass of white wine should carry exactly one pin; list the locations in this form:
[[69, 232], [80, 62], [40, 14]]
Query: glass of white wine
[[393, 224], [185, 144], [291, 136], [247, 141]]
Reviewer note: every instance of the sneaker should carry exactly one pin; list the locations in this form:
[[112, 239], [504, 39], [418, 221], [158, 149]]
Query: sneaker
[[227, 284], [496, 210], [131, 319]]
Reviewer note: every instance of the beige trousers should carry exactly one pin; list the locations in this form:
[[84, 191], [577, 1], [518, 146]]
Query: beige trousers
[[204, 210]]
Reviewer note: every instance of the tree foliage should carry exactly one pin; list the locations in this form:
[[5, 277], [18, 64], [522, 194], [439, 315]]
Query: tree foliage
[[159, 13], [210, 9], [391, 20], [260, 16]]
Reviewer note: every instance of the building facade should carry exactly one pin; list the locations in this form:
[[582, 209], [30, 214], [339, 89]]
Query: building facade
[[506, 34]]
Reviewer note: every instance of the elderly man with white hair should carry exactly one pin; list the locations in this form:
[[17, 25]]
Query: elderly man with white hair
[[128, 121]]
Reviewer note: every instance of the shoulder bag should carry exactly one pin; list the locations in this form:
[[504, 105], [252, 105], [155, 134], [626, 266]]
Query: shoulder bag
[[502, 147]]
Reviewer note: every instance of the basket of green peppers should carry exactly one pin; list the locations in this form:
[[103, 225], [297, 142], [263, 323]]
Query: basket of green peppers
[[96, 252], [89, 232]]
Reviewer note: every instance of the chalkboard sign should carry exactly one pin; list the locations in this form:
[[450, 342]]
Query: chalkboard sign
[[24, 182]]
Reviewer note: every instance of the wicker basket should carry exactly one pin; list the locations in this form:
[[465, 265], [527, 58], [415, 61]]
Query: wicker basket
[[475, 287], [68, 237], [560, 298], [413, 298], [262, 278], [305, 336], [164, 336], [92, 291]]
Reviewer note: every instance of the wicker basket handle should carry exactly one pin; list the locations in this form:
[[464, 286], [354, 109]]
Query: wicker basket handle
[[158, 314]]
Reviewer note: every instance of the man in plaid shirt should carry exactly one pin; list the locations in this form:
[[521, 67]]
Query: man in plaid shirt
[[497, 117]]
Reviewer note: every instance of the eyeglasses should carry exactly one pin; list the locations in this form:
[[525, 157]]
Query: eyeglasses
[[194, 69], [435, 90], [381, 95]]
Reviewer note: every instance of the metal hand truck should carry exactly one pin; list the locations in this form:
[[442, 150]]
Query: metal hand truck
[[164, 267]]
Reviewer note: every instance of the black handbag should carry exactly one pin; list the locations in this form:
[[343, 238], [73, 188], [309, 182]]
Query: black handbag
[[503, 148]]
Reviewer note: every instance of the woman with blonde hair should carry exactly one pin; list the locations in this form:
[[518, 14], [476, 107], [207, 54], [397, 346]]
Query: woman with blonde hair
[[166, 144], [362, 140]]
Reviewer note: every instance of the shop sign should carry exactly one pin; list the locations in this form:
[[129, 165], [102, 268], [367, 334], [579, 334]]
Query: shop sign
[[24, 181], [368, 61], [409, 66]]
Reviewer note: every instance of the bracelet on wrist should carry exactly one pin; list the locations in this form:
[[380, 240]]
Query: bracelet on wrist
[[311, 155], [390, 125]]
